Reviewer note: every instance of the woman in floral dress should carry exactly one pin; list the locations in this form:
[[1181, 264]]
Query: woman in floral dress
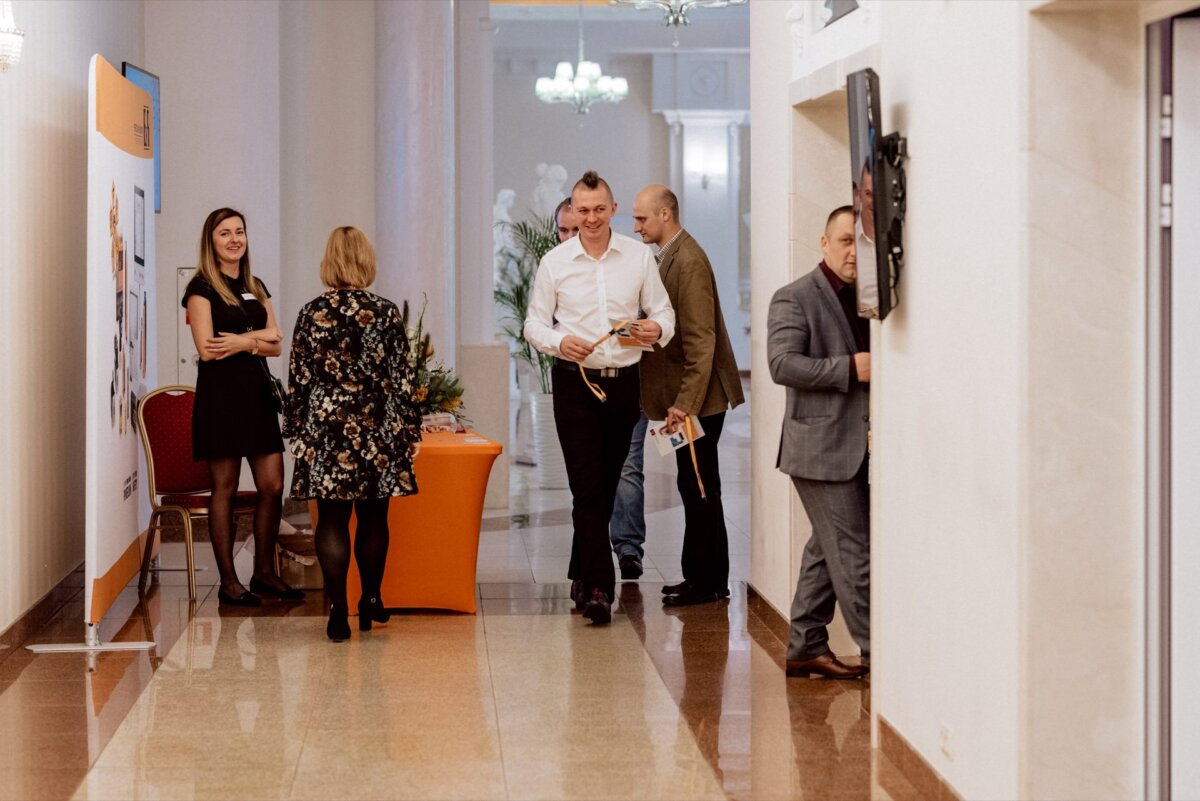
[[352, 421]]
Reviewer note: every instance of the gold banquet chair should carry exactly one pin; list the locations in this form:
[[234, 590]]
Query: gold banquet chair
[[177, 484]]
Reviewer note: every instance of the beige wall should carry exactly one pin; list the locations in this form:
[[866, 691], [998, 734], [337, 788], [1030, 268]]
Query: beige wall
[[625, 142], [1008, 412], [947, 403], [220, 121], [43, 252], [807, 163], [326, 137], [1083, 538], [771, 246]]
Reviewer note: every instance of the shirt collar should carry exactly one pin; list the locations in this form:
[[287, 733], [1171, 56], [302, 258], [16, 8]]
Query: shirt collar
[[834, 281], [662, 252], [614, 245]]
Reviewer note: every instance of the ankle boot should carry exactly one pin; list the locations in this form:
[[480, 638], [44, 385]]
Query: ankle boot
[[338, 628], [371, 609]]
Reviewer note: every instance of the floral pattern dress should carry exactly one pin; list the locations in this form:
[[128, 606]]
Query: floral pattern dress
[[350, 412]]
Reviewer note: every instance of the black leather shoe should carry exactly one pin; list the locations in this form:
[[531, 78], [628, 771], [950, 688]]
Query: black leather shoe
[[827, 666], [371, 610], [247, 598], [690, 595], [338, 627], [631, 568], [287, 593], [598, 609], [578, 596], [675, 589]]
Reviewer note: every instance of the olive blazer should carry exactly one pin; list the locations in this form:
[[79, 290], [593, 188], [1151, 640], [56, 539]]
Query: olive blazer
[[696, 371]]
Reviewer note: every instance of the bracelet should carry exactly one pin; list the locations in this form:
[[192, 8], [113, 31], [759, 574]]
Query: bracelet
[[255, 351]]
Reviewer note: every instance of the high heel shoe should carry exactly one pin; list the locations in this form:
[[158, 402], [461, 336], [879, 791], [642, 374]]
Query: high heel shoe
[[338, 628], [371, 609]]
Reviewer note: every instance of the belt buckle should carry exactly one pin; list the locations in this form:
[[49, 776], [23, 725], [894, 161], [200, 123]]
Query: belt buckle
[[610, 372]]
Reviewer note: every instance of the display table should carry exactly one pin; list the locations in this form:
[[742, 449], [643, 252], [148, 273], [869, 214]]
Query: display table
[[435, 533]]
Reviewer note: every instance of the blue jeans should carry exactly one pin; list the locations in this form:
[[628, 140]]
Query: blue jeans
[[627, 528]]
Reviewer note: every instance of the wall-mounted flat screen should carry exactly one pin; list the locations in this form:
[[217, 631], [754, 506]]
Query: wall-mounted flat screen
[[873, 211]]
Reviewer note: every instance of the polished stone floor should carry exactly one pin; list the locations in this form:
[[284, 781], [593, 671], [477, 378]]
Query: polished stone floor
[[521, 701]]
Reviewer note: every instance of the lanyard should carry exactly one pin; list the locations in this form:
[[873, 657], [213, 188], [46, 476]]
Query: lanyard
[[595, 388], [690, 433]]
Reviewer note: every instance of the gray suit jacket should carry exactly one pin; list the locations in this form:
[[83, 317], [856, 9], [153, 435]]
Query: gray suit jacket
[[810, 351]]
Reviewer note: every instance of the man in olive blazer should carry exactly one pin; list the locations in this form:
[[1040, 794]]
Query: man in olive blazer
[[819, 348], [694, 375]]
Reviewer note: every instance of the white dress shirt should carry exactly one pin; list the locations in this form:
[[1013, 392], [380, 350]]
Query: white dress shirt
[[575, 294], [867, 283]]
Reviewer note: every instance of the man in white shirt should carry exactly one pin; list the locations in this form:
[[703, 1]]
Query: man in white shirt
[[582, 288], [867, 285]]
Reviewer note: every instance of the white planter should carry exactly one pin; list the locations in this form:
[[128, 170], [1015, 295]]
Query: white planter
[[522, 440], [551, 469]]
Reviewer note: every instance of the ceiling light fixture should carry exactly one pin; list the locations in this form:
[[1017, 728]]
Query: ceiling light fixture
[[582, 85], [675, 12], [12, 38]]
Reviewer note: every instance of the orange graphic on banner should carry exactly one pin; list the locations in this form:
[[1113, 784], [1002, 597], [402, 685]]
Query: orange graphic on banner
[[123, 112], [106, 588]]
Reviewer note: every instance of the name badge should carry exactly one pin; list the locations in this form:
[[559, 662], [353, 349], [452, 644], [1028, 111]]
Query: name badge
[[248, 296]]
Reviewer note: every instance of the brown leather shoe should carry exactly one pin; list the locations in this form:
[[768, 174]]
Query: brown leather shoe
[[598, 608], [578, 596], [827, 666]]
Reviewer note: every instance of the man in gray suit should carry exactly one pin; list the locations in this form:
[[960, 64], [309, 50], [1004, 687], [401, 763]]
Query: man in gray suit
[[819, 348]]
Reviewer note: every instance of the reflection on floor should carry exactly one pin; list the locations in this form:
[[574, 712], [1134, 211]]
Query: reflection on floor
[[522, 701]]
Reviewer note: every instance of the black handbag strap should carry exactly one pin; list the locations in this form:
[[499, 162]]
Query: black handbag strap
[[262, 360]]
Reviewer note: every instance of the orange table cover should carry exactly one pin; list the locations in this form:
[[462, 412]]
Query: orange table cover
[[434, 534]]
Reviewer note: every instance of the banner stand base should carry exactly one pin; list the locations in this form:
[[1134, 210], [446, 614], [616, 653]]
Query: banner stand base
[[91, 643]]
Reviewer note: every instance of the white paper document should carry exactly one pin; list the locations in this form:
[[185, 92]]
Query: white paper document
[[668, 443]]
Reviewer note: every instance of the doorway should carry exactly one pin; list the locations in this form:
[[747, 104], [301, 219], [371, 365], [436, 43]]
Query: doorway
[[1174, 239]]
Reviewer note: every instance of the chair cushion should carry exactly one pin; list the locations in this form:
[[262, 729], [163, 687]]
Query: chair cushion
[[167, 428], [244, 499]]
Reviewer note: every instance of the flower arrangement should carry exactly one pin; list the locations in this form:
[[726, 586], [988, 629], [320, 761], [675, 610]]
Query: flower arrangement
[[438, 390]]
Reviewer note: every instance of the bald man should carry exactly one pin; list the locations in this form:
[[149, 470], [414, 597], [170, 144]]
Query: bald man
[[693, 374]]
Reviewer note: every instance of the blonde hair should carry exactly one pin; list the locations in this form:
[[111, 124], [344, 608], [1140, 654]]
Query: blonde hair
[[349, 261], [209, 268]]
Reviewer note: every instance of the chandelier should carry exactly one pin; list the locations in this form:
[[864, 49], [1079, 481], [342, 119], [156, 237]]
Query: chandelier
[[675, 12], [581, 85], [11, 37]]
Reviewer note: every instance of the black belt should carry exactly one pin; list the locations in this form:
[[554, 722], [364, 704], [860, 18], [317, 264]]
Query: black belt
[[603, 372]]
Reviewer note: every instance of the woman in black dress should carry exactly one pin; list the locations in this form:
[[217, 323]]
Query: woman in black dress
[[352, 421], [233, 325]]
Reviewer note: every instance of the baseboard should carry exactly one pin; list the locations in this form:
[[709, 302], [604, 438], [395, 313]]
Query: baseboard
[[757, 606], [920, 779], [41, 613]]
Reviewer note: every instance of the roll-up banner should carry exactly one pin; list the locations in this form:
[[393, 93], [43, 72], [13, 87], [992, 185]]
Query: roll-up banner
[[121, 361]]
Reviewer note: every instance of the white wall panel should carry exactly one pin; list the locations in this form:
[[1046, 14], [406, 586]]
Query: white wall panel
[[43, 158]]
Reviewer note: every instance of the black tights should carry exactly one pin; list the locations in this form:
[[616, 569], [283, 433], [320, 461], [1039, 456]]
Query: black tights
[[332, 536], [268, 480]]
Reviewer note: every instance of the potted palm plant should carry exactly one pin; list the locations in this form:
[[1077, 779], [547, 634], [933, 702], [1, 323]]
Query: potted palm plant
[[532, 240]]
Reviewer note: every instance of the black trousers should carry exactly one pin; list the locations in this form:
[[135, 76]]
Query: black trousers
[[595, 441], [705, 560]]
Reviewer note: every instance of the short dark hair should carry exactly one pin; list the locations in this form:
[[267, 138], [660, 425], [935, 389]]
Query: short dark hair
[[565, 203], [592, 180], [665, 199], [833, 215]]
